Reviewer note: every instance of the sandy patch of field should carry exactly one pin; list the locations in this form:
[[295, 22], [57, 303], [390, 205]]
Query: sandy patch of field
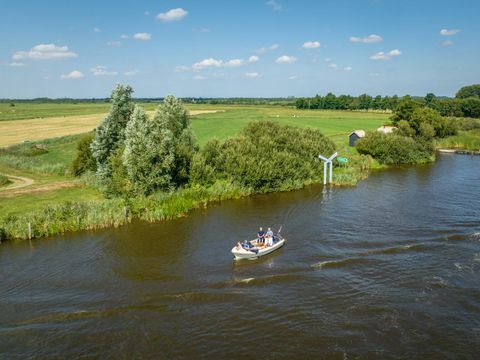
[[15, 131], [22, 186], [17, 183]]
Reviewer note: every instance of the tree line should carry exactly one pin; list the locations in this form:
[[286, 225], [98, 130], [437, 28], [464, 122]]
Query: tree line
[[465, 104]]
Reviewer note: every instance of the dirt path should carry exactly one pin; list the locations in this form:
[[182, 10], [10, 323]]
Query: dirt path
[[18, 183], [22, 185]]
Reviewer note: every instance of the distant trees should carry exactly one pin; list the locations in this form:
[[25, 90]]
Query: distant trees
[[466, 103]]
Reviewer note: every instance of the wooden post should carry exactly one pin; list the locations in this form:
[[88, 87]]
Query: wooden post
[[29, 231], [126, 212]]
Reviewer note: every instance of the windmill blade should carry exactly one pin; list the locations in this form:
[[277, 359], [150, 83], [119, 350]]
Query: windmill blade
[[333, 157], [323, 158]]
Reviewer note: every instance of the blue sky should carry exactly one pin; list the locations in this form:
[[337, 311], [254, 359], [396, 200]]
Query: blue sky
[[247, 48]]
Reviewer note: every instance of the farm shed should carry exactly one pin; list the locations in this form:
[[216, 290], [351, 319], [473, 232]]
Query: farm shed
[[354, 136]]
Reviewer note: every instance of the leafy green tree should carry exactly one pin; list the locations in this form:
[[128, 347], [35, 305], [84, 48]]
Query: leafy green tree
[[149, 154], [110, 133], [471, 107], [404, 110], [173, 115], [469, 91]]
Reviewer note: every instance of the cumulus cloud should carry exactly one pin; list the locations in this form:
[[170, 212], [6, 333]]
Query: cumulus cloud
[[206, 63], [131, 72], [264, 50], [253, 59], [172, 15], [386, 56], [75, 74], [199, 77], [17, 64], [101, 70], [373, 38], [142, 36], [446, 32], [252, 75], [45, 52], [275, 5], [124, 36], [447, 43], [311, 45], [293, 77], [285, 59], [234, 63]]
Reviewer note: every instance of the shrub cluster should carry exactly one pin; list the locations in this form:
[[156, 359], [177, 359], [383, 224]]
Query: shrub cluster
[[264, 157]]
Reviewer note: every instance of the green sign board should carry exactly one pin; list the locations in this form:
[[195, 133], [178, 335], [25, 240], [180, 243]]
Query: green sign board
[[342, 159]]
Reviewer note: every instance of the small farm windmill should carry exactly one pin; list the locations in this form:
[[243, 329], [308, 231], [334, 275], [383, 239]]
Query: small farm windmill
[[325, 164]]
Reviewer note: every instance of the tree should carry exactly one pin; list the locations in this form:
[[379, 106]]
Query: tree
[[471, 107], [174, 116], [110, 133], [84, 160], [469, 91], [404, 110], [149, 154]]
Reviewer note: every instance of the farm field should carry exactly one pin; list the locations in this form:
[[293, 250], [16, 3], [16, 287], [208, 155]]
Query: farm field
[[221, 121]]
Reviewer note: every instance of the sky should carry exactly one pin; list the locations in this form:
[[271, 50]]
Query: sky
[[249, 48]]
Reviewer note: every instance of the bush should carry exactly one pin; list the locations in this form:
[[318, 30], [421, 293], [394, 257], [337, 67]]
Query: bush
[[84, 160], [265, 157], [394, 149]]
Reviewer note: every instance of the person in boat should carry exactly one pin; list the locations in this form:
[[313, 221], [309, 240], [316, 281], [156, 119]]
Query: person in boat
[[269, 237], [261, 236]]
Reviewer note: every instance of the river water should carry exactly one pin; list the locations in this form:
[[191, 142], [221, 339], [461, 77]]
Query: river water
[[387, 269]]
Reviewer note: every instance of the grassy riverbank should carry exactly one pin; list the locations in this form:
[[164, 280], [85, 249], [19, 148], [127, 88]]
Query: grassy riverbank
[[56, 202]]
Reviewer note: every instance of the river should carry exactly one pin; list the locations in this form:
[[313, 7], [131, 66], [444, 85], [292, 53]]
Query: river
[[387, 269]]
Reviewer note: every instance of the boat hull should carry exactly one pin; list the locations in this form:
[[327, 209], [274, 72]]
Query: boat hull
[[246, 254]]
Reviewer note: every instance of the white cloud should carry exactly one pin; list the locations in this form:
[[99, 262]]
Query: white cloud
[[275, 5], [386, 56], [328, 60], [446, 32], [264, 50], [131, 72], [123, 36], [293, 77], [285, 59], [252, 75], [447, 43], [45, 52], [199, 77], [172, 15], [182, 68], [374, 74], [142, 36], [253, 59], [97, 30], [114, 43], [234, 63], [311, 45], [203, 30], [17, 64], [210, 62], [373, 38], [101, 70], [347, 68], [75, 74]]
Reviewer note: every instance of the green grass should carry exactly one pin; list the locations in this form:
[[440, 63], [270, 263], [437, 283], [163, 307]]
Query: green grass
[[4, 180], [226, 124], [29, 202], [466, 140]]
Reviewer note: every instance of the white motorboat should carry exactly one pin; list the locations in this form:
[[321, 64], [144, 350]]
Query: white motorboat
[[256, 250]]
